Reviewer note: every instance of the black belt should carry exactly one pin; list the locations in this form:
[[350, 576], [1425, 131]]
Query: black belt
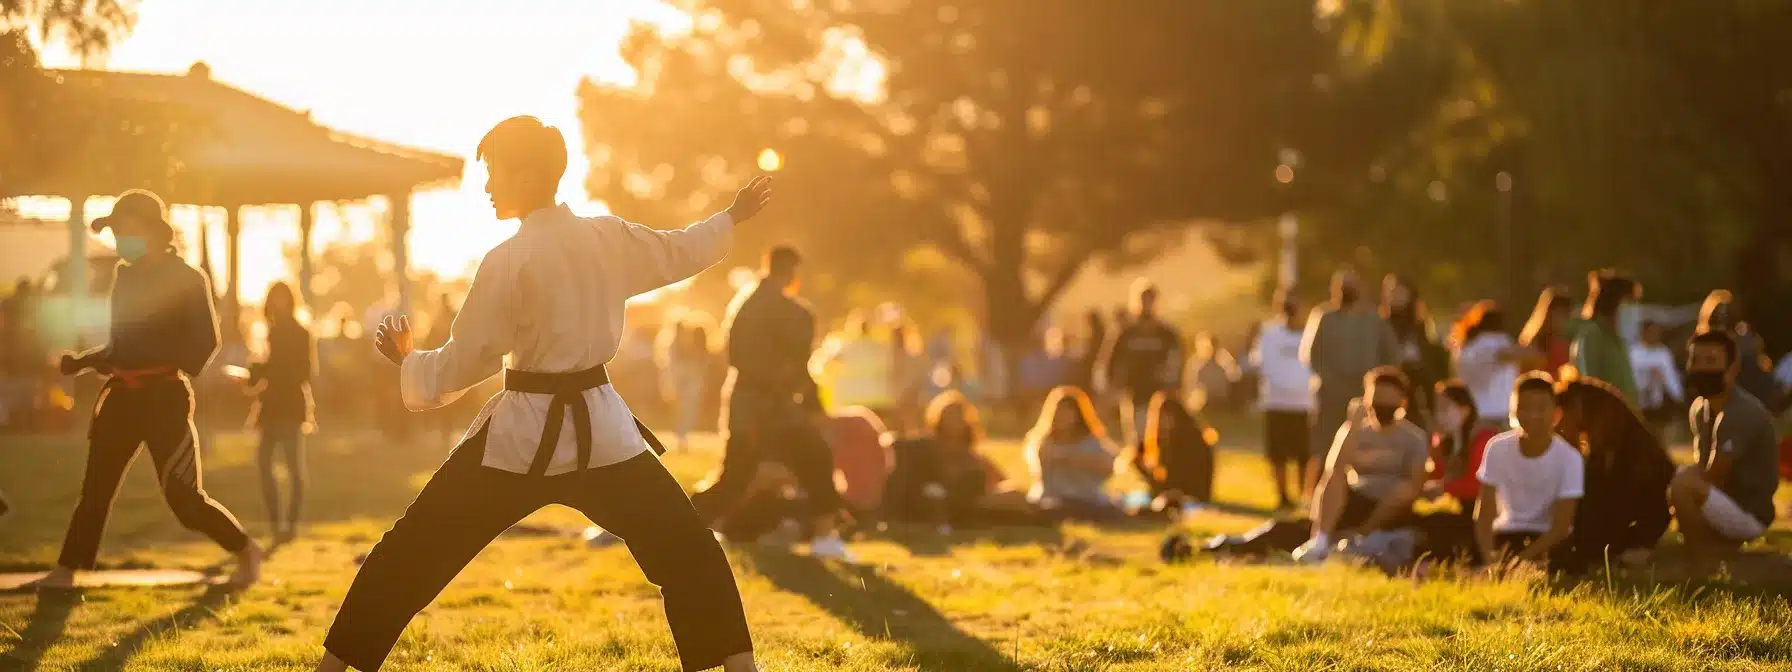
[[568, 389]]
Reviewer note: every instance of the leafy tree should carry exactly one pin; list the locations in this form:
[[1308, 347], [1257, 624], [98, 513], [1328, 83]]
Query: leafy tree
[[1020, 139]]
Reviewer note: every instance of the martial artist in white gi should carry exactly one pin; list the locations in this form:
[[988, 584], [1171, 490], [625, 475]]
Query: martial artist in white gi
[[548, 304]]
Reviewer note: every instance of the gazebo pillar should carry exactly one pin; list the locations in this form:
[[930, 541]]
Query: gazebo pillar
[[401, 265], [77, 265], [306, 299], [231, 306]]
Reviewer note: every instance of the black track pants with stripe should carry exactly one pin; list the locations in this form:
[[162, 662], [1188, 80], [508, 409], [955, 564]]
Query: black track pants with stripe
[[158, 414]]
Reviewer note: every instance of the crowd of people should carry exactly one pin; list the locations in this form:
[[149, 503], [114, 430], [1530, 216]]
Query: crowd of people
[[1482, 447]]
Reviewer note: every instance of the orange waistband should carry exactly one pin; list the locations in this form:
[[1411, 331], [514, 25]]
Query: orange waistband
[[140, 377]]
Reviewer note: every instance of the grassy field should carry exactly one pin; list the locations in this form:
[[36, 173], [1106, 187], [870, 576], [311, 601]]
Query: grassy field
[[1073, 599]]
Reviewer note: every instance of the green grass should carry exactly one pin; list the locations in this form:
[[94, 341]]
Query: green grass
[[1075, 599]]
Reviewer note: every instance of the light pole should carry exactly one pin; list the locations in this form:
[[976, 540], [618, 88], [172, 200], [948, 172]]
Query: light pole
[[1514, 292], [1289, 226]]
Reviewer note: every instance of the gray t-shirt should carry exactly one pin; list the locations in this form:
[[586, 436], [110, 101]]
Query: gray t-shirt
[[1384, 458], [1743, 431], [1059, 479]]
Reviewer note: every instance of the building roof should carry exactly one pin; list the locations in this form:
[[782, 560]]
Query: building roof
[[246, 150]]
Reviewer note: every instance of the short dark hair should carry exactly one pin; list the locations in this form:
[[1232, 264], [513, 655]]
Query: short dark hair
[[1606, 290], [1717, 337], [524, 143], [1389, 375], [782, 260], [1458, 393], [1535, 381]]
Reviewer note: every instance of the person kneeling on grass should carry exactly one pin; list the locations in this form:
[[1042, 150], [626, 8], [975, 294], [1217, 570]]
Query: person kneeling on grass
[[1375, 471], [1531, 480], [1069, 457], [1726, 499]]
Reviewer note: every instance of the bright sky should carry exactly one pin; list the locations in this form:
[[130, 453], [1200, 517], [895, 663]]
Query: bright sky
[[434, 74]]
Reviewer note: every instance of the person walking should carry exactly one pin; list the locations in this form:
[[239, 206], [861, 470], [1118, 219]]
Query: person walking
[[1285, 394], [283, 408], [1342, 344]]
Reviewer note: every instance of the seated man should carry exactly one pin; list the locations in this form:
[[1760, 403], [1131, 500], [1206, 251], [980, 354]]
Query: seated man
[[1727, 498], [1375, 470], [1531, 480]]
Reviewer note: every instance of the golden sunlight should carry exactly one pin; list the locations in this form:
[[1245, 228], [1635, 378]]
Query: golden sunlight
[[770, 161]]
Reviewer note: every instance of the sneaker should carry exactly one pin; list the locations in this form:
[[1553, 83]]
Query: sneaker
[[831, 547], [1312, 552]]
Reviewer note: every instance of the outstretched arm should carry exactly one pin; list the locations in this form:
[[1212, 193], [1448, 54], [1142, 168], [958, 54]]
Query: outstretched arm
[[655, 258]]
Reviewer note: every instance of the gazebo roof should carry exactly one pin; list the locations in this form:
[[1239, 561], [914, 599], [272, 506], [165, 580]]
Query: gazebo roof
[[248, 151]]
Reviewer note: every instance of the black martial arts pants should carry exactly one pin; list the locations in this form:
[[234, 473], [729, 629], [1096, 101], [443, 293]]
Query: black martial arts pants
[[466, 505], [157, 413], [761, 429]]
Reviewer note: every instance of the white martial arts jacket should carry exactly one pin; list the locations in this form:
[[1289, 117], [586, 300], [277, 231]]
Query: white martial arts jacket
[[551, 299]]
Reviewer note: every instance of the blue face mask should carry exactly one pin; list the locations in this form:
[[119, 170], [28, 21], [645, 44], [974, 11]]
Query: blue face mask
[[132, 248]]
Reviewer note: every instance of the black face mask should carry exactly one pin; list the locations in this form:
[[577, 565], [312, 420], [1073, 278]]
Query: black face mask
[[1707, 383], [1384, 415]]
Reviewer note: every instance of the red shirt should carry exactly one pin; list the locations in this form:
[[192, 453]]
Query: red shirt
[[1466, 487]]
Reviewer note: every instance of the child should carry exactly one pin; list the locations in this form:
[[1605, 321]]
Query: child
[[1531, 480], [1457, 447]]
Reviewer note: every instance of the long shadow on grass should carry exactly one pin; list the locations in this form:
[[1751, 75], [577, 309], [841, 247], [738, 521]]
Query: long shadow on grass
[[128, 646], [879, 608], [923, 540], [48, 621]]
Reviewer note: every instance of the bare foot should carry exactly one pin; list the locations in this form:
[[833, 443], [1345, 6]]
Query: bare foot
[[331, 663], [248, 566], [60, 577], [740, 662]]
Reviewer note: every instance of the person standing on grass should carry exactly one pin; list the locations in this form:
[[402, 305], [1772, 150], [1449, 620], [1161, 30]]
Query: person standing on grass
[[1424, 361], [1726, 500], [1286, 395], [1375, 469], [1531, 480], [1143, 358], [283, 407], [163, 333], [1598, 350], [685, 355], [773, 407], [1487, 359], [1546, 332], [1342, 343], [549, 301], [1658, 380]]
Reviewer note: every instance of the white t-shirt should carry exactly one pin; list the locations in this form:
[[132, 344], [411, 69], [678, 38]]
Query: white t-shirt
[[1284, 382], [1657, 379], [1489, 380], [1528, 487]]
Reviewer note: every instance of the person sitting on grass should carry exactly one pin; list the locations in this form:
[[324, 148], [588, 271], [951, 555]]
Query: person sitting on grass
[[1531, 480], [1070, 458], [1176, 459], [1624, 512], [1726, 499], [1457, 447], [940, 477], [1375, 470]]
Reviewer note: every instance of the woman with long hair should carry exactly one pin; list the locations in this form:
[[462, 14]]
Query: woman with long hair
[[283, 408], [909, 368], [1458, 441], [940, 477], [1487, 360], [1070, 459], [1625, 509], [1176, 458], [1416, 350], [685, 356], [1546, 331]]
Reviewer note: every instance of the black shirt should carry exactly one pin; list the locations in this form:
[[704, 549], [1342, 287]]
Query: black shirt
[[162, 315], [770, 336], [1145, 358]]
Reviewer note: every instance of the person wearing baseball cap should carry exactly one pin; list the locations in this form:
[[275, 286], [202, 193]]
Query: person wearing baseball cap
[[163, 332]]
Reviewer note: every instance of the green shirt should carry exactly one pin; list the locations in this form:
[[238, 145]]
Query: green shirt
[[1598, 352]]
